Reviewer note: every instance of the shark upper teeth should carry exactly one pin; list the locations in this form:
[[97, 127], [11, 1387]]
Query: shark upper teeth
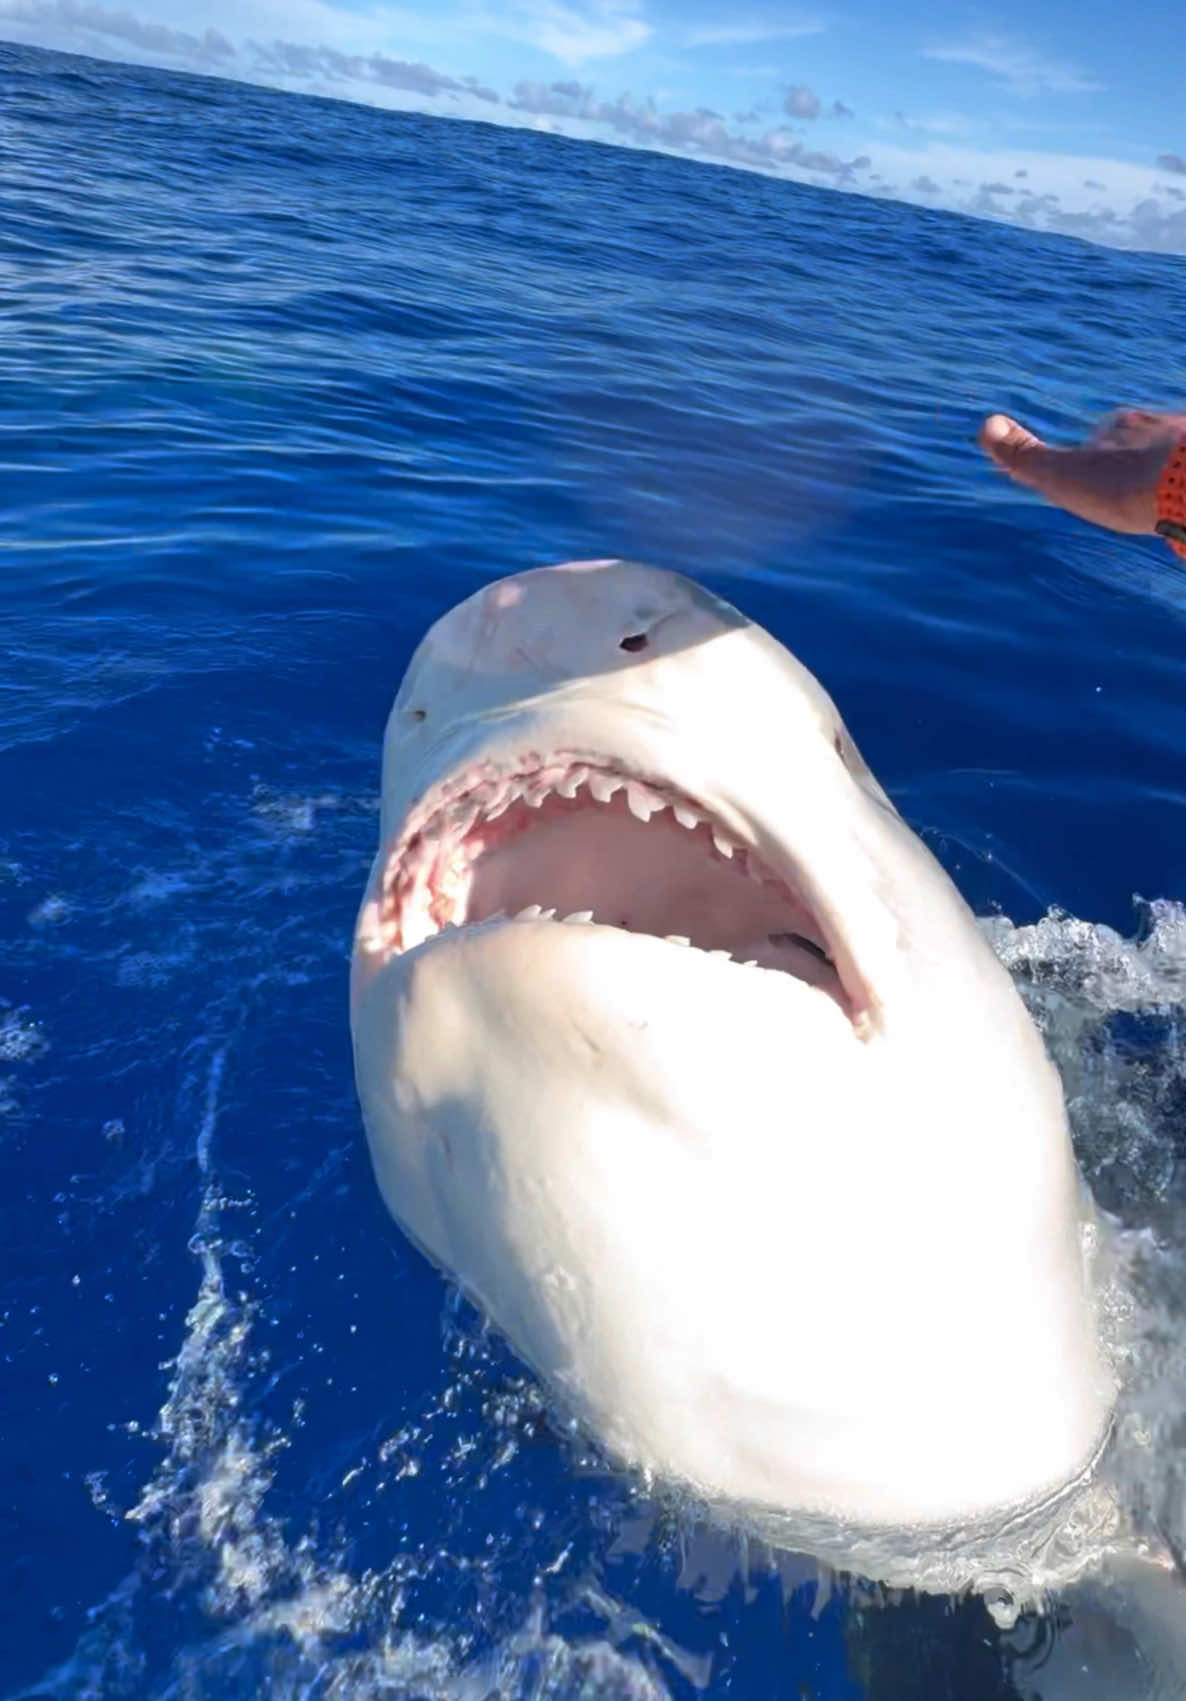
[[603, 786], [444, 845], [643, 802]]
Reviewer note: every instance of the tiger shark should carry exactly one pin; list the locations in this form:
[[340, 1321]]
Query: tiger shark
[[679, 1051]]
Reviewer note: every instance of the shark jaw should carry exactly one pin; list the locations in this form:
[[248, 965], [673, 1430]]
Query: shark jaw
[[579, 840]]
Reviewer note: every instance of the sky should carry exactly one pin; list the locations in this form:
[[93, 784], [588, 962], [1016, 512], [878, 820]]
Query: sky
[[1069, 116]]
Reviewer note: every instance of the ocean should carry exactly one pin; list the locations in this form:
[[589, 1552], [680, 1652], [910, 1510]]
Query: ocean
[[281, 379]]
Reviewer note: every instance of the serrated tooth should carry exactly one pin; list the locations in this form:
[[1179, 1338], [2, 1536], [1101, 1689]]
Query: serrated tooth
[[464, 819], [724, 845], [533, 799], [676, 939], [750, 963], [728, 954], [499, 807], [603, 786], [547, 915], [685, 816], [580, 915], [570, 784], [531, 913], [642, 802]]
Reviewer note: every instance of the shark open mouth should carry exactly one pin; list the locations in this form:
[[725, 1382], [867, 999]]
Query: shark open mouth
[[582, 841]]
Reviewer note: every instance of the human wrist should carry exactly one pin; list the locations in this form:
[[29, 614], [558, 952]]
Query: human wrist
[[1171, 498]]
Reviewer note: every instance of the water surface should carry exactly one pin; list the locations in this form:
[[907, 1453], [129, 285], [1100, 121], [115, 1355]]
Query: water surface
[[281, 380]]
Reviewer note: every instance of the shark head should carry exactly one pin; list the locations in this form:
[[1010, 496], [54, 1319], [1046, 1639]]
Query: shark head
[[680, 1052]]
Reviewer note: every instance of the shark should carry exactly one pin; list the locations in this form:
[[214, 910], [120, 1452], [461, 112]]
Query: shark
[[681, 1054]]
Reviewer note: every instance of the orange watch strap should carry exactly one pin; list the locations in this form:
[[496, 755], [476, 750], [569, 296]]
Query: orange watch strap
[[1171, 500]]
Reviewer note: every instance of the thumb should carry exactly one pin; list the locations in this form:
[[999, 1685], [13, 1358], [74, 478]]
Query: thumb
[[1014, 449]]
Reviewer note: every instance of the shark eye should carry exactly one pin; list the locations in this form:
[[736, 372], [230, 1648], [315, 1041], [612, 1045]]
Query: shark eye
[[635, 641], [418, 714]]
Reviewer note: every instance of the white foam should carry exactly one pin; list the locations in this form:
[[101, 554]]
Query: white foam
[[1125, 1083]]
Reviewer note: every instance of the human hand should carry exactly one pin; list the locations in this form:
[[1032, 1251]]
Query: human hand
[[1110, 480]]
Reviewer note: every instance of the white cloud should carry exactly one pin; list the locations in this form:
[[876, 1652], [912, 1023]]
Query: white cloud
[[78, 24], [701, 132], [745, 35], [801, 102], [82, 26], [570, 31], [574, 34], [1053, 193], [293, 61], [1021, 69]]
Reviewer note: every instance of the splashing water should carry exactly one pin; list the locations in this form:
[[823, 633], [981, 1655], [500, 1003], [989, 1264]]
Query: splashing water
[[280, 1616], [1113, 1013], [262, 1597]]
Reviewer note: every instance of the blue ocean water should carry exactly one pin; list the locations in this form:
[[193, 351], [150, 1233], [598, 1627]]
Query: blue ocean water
[[281, 379]]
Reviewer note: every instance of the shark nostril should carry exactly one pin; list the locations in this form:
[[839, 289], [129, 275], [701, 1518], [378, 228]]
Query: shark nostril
[[418, 714], [635, 641]]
